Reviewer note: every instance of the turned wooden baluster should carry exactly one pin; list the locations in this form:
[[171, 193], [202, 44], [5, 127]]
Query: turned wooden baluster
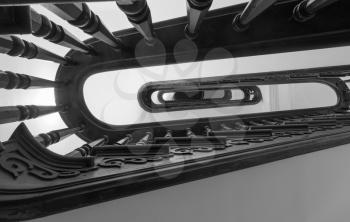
[[196, 11], [81, 16], [254, 123], [189, 133], [278, 120], [10, 80], [47, 139], [9, 114], [168, 134], [145, 140], [43, 27], [250, 12], [208, 131], [225, 127], [308, 8], [268, 122], [140, 17], [125, 140], [241, 126], [14, 46], [85, 150]]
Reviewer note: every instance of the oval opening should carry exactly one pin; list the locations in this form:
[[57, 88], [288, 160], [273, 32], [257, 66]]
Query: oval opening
[[112, 98], [207, 95]]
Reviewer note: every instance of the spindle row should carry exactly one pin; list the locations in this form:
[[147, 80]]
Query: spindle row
[[139, 15], [142, 148], [218, 136], [10, 80], [77, 14]]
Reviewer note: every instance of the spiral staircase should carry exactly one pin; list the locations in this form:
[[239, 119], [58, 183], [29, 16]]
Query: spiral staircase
[[121, 160]]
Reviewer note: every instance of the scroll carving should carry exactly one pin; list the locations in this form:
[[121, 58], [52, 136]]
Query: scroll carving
[[23, 155]]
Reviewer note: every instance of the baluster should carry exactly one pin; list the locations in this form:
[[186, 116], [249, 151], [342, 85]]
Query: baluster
[[10, 114], [10, 80], [15, 46], [196, 11], [125, 140], [145, 140], [86, 149], [81, 16], [269, 122], [168, 134], [308, 8], [240, 126], [43, 27], [254, 123], [140, 17], [208, 131], [251, 11], [225, 127], [278, 120], [56, 136], [189, 133]]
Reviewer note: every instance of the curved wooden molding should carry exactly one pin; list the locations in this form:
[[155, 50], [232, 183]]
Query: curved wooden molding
[[35, 182], [24, 155]]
